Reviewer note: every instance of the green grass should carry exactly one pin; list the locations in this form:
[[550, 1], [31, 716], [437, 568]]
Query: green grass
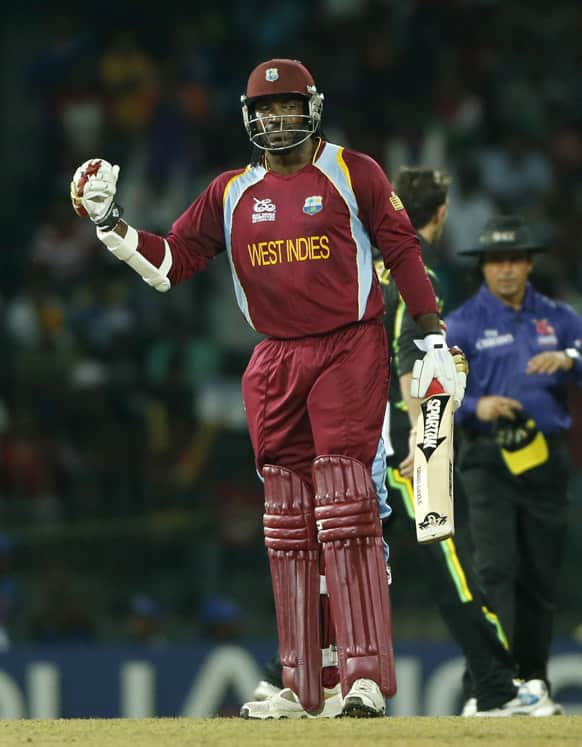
[[392, 732]]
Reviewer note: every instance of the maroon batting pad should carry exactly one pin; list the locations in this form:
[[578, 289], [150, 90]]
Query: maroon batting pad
[[291, 540], [350, 532]]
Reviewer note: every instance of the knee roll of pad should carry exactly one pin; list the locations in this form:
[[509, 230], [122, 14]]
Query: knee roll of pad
[[346, 503], [288, 521]]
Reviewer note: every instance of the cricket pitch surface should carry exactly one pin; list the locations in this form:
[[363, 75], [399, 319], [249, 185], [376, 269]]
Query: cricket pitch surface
[[421, 731]]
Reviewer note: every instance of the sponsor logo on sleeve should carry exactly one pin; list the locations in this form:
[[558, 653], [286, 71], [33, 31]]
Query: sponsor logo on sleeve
[[396, 202]]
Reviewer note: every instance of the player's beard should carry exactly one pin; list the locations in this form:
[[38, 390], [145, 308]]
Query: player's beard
[[282, 141]]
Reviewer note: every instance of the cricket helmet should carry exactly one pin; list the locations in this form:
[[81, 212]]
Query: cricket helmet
[[280, 77]]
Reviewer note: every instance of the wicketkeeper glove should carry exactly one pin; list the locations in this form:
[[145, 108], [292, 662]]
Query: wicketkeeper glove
[[93, 193], [448, 367], [461, 363]]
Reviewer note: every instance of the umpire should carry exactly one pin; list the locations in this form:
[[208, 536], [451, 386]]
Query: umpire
[[523, 348], [445, 565]]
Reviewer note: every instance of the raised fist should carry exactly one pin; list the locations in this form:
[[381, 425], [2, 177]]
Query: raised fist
[[93, 192]]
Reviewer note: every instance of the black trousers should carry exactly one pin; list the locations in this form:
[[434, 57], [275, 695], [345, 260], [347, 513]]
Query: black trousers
[[518, 527], [471, 620]]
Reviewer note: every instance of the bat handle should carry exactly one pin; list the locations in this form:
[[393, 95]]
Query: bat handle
[[435, 387]]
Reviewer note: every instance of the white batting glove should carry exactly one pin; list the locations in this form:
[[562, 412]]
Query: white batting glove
[[448, 367], [93, 192]]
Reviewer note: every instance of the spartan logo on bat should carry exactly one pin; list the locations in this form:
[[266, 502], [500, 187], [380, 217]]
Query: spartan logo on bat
[[433, 519], [432, 410]]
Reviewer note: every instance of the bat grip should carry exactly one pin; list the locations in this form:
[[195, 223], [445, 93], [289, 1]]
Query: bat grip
[[435, 387]]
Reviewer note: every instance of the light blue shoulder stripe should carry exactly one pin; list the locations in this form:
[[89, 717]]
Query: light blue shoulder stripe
[[233, 192], [332, 165]]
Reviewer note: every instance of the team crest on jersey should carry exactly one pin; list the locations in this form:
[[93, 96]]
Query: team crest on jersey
[[313, 204], [272, 74], [264, 210]]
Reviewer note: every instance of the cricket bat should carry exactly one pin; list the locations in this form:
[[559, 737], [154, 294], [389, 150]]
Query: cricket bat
[[433, 467]]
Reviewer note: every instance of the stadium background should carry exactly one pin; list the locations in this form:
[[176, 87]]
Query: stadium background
[[129, 508]]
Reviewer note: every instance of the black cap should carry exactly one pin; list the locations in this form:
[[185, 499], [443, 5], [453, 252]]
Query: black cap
[[505, 233]]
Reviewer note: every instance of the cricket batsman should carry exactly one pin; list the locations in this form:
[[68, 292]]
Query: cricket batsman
[[298, 225]]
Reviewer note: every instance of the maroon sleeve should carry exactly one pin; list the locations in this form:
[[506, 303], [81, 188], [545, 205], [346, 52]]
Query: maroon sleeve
[[391, 232], [195, 238]]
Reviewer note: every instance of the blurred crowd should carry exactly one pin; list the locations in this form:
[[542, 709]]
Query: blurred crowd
[[119, 404]]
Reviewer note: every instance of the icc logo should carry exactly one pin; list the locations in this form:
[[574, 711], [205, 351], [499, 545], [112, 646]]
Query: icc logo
[[264, 210]]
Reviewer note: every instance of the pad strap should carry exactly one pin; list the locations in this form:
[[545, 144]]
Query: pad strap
[[351, 535], [329, 657], [291, 541]]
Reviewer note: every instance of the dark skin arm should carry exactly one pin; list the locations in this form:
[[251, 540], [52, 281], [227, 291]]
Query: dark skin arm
[[429, 324], [120, 229]]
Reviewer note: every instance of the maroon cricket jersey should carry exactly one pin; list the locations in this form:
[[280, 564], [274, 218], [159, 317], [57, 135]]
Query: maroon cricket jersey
[[300, 246]]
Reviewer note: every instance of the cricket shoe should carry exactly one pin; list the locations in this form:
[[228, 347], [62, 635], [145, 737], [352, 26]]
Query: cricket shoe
[[470, 708], [364, 700], [285, 704], [265, 690], [525, 702], [547, 706]]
